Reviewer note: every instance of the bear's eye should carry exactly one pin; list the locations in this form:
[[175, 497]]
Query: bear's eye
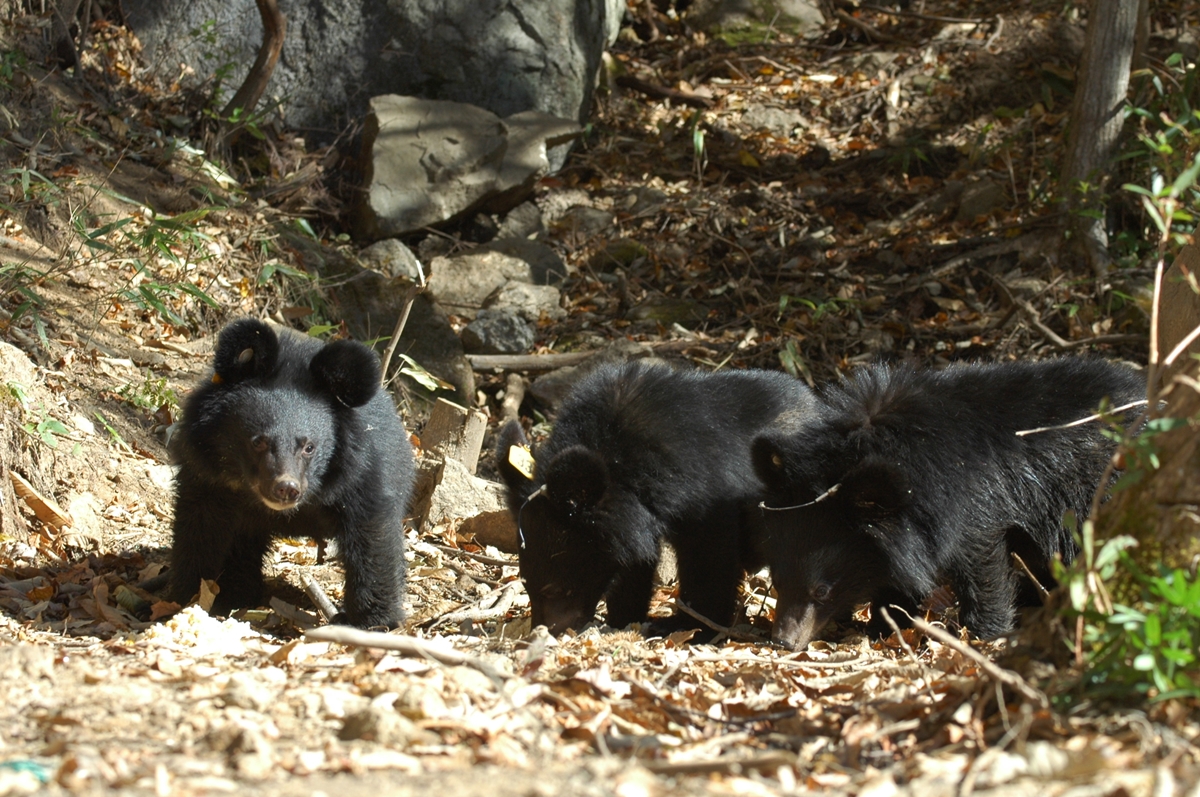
[[260, 443], [821, 593], [308, 449]]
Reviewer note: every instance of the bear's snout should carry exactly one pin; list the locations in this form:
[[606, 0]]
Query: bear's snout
[[286, 490]]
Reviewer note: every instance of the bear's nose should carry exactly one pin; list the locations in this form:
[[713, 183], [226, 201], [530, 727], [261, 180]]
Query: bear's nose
[[287, 491]]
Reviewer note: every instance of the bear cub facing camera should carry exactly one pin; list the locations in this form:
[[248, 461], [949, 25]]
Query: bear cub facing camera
[[914, 476], [642, 455], [291, 438]]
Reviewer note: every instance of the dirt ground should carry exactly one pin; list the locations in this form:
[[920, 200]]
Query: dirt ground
[[836, 242]]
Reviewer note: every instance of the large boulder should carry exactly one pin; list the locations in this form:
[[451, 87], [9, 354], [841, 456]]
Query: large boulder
[[506, 56]]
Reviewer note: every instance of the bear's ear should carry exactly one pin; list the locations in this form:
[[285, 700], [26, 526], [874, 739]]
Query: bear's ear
[[245, 349], [349, 371], [875, 490], [576, 479], [770, 462], [519, 479]]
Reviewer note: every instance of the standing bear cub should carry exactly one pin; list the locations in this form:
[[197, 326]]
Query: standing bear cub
[[914, 476], [291, 438], [643, 454]]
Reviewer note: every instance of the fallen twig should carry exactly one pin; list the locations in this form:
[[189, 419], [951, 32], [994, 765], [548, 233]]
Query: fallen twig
[[723, 631], [1081, 421], [318, 597], [731, 766], [410, 296], [478, 557], [405, 645], [663, 93], [927, 675], [1006, 677], [492, 606], [1043, 593], [514, 394]]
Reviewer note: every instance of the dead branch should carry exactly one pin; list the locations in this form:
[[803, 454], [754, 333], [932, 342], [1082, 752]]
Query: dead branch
[[410, 296], [1043, 593], [1081, 421], [492, 606], [998, 673], [514, 394], [662, 92], [526, 362], [478, 557], [924, 668], [722, 630], [872, 33], [926, 17], [731, 766], [318, 597], [404, 645]]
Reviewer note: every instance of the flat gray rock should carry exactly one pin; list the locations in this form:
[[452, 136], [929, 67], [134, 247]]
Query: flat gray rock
[[430, 161], [530, 302], [462, 283], [753, 20], [781, 122]]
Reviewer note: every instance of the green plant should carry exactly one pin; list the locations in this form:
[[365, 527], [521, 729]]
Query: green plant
[[817, 308], [10, 62], [151, 394], [1165, 117], [1148, 649], [39, 424]]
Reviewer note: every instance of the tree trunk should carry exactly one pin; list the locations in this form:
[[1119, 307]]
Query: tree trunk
[[1162, 511], [252, 88], [1096, 120]]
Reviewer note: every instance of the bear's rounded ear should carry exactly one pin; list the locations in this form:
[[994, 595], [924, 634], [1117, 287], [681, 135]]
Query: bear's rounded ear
[[348, 371], [576, 479], [770, 462], [875, 489], [245, 349]]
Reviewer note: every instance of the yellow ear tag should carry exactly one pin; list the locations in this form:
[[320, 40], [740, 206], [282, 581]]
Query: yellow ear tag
[[216, 380], [520, 458]]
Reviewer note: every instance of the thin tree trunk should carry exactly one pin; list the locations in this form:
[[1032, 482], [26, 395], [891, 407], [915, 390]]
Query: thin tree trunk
[[252, 88], [1096, 120], [60, 34]]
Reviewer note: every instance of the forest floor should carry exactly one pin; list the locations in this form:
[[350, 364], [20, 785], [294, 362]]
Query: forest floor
[[884, 191]]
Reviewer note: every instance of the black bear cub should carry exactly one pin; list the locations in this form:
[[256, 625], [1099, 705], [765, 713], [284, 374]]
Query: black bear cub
[[912, 476], [291, 437], [641, 454]]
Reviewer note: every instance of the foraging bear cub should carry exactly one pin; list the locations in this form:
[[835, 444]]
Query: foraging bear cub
[[914, 475], [291, 437], [641, 454]]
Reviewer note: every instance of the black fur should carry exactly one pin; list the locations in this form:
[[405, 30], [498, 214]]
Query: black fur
[[641, 454], [291, 438], [933, 481]]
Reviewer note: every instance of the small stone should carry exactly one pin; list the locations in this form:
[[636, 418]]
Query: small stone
[[523, 221], [391, 258], [980, 199], [780, 122], [378, 724], [497, 331], [583, 222], [621, 253], [244, 690]]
